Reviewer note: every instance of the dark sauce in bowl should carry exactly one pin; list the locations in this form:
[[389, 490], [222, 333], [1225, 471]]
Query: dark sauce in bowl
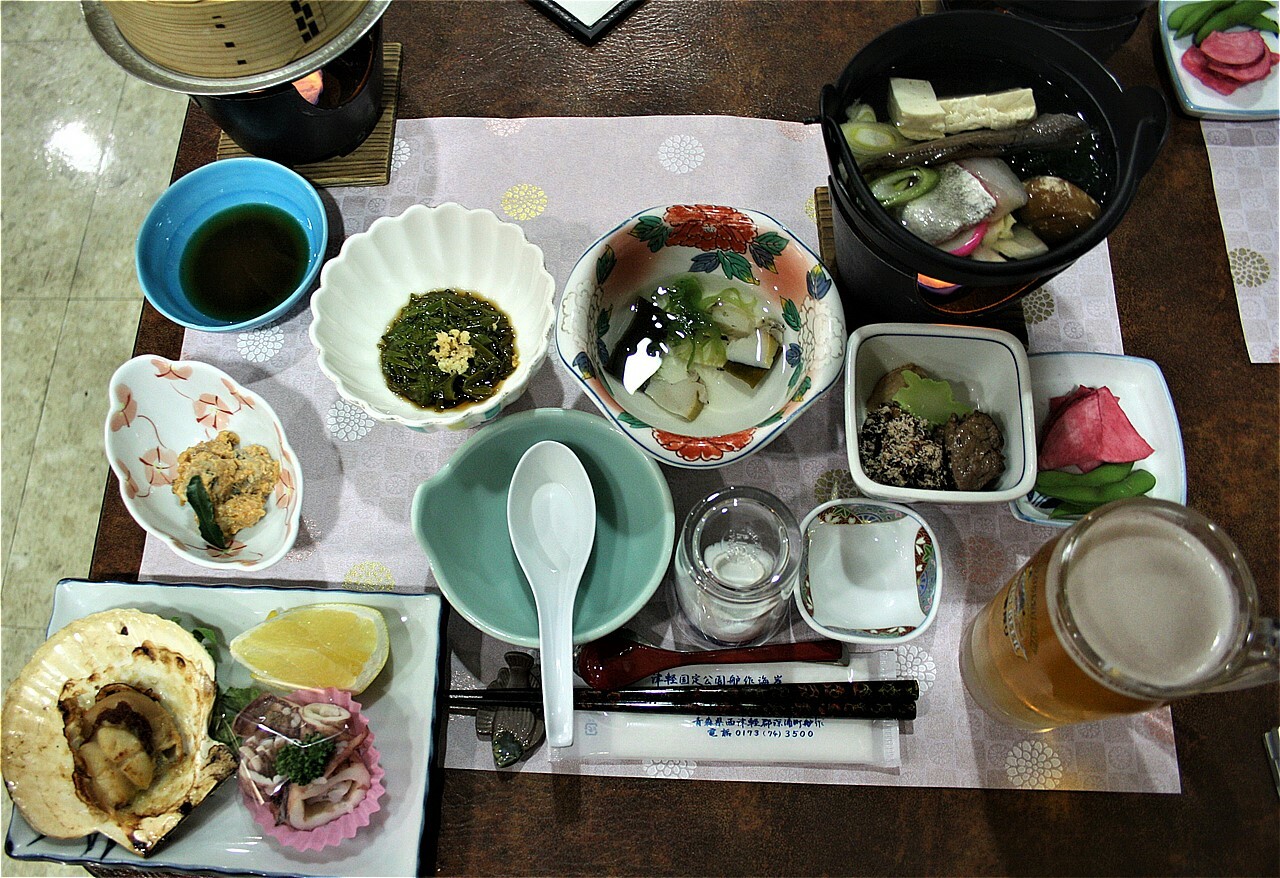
[[243, 261]]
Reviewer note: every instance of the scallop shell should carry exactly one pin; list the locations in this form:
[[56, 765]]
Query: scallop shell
[[63, 677]]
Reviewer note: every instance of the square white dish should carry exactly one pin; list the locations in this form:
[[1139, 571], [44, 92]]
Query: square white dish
[[220, 836], [1144, 396], [872, 573], [987, 370], [1255, 101]]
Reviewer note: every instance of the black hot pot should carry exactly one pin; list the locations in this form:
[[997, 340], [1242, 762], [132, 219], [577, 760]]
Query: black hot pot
[[884, 272]]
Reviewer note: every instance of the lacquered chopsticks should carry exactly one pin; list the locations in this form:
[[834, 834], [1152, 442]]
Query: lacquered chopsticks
[[871, 699]]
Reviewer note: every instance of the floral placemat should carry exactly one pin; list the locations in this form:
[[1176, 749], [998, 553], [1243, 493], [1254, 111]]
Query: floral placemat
[[566, 181], [1245, 160]]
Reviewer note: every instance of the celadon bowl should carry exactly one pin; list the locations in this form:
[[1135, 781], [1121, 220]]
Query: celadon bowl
[[363, 288], [460, 519], [158, 409], [728, 247]]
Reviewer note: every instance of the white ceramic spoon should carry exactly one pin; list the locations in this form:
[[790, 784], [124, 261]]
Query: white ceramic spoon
[[551, 516]]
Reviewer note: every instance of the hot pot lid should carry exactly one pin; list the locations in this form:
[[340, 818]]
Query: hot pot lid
[[105, 32]]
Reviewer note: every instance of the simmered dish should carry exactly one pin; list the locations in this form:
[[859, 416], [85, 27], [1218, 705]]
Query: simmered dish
[[684, 339], [985, 176]]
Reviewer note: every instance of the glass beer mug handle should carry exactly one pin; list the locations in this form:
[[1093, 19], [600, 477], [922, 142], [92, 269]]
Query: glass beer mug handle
[[1259, 660]]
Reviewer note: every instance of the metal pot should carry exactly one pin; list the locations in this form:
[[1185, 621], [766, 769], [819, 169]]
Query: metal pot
[[887, 273]]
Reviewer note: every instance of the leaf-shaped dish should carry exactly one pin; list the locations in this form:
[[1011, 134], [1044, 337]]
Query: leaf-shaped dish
[[160, 408]]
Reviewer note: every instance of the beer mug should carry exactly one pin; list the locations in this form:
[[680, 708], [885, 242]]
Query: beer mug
[[1139, 603]]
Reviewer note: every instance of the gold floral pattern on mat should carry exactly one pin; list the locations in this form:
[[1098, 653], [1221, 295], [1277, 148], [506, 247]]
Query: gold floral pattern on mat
[[983, 560], [1038, 306], [524, 201], [834, 484], [811, 208], [369, 576], [1249, 268], [1033, 765]]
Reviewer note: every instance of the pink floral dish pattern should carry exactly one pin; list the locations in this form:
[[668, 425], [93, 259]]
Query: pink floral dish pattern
[[734, 245], [160, 408]]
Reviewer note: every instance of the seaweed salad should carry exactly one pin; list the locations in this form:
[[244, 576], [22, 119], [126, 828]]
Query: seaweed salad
[[447, 349]]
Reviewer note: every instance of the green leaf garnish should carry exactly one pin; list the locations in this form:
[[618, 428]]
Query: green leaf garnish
[[198, 497], [231, 700], [303, 762]]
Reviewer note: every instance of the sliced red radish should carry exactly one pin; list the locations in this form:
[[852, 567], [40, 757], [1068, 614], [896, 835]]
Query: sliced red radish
[[1235, 47], [966, 242], [1245, 74], [1087, 428], [1195, 63]]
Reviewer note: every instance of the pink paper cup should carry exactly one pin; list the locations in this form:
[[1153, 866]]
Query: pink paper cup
[[339, 830]]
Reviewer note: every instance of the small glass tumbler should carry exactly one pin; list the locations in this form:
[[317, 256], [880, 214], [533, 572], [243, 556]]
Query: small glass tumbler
[[736, 565]]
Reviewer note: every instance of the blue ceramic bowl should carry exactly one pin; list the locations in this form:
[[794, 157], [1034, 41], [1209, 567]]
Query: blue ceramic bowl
[[190, 202]]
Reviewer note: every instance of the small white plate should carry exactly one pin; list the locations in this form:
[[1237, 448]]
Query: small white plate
[[1257, 100], [871, 572], [221, 836], [1144, 396], [987, 369]]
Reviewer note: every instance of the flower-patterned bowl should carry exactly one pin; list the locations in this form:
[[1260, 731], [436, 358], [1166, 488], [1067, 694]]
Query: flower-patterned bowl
[[872, 573], [363, 288], [725, 247], [159, 408]]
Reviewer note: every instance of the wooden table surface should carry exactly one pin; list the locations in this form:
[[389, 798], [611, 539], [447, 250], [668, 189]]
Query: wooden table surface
[[1177, 307]]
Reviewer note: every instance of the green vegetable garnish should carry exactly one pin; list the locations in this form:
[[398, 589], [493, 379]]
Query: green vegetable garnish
[[198, 497], [869, 139], [1104, 474], [229, 703], [303, 762], [906, 184], [930, 400]]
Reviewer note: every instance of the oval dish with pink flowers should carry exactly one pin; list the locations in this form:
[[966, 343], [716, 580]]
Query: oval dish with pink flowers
[[159, 408]]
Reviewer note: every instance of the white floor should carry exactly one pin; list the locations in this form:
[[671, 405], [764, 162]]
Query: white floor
[[86, 150]]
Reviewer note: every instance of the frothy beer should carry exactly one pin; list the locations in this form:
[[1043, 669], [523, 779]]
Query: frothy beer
[[1120, 614]]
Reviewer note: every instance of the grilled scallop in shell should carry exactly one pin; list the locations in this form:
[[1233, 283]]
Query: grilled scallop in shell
[[106, 730]]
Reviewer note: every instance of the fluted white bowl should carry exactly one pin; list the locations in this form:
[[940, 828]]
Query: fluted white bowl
[[363, 288]]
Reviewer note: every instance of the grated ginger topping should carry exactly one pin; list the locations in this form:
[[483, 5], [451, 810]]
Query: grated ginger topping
[[453, 351]]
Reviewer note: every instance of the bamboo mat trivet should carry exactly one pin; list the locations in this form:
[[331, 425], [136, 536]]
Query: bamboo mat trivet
[[369, 164]]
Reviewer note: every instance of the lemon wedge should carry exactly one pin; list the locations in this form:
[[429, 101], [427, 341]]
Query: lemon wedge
[[343, 646]]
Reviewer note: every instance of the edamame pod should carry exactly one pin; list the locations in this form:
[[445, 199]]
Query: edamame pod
[[1237, 13], [1137, 482], [1198, 14], [1072, 510], [1101, 475], [1261, 22]]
